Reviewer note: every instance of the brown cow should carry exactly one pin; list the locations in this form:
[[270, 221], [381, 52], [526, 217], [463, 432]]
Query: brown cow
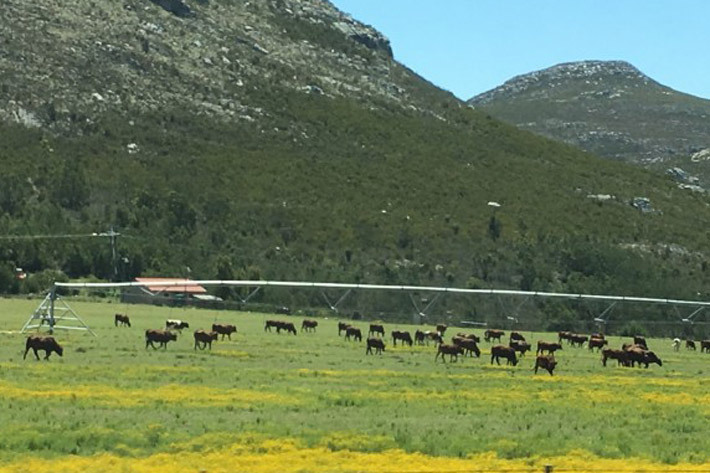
[[705, 346], [546, 362], [564, 335], [578, 340], [636, 354], [618, 355], [470, 336], [517, 336], [353, 332], [419, 337], [342, 327], [121, 319], [469, 346], [224, 329], [598, 343], [288, 326], [548, 347], [404, 337], [501, 351], [39, 342], [205, 338], [452, 350], [441, 328], [491, 334], [375, 343], [434, 336], [640, 341], [520, 346], [271, 323], [690, 345], [309, 325], [598, 335], [376, 328], [160, 336]]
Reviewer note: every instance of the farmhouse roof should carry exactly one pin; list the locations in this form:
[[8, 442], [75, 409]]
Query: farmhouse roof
[[189, 287]]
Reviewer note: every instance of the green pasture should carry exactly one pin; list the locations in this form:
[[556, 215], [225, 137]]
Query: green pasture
[[110, 394]]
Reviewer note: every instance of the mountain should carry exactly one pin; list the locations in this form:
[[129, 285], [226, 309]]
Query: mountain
[[609, 108], [280, 139]]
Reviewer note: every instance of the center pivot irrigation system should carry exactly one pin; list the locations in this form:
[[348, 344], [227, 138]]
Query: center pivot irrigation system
[[55, 313]]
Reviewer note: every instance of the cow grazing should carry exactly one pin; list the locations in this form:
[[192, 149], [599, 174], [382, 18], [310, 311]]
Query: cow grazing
[[375, 343], [548, 347], [516, 336], [676, 344], [452, 350], [520, 346], [491, 334], [121, 319], [471, 336], [564, 335], [441, 328], [342, 327], [376, 329], [204, 338], [283, 310], [175, 324], [309, 325], [636, 354], [288, 326], [160, 336], [598, 343], [404, 337], [618, 355], [271, 323], [419, 337], [354, 333], [501, 351], [39, 342], [705, 346], [470, 347], [641, 341], [578, 340], [689, 345], [545, 362], [224, 329], [434, 336]]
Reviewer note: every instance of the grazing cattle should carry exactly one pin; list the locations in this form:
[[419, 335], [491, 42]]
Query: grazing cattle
[[39, 342], [705, 346], [204, 338], [441, 328], [121, 319], [501, 351], [470, 336], [578, 340], [546, 362], [375, 343], [283, 310], [689, 345], [517, 336], [640, 341], [565, 335], [435, 336], [452, 350], [636, 354], [175, 324], [469, 345], [676, 344], [309, 325], [160, 336], [376, 328], [598, 343], [548, 347], [271, 323], [491, 334], [404, 337], [342, 327], [520, 346], [288, 326], [353, 332], [419, 337], [618, 355], [224, 329]]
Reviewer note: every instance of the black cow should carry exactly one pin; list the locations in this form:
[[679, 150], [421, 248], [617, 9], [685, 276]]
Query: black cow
[[224, 329], [354, 333], [404, 337], [545, 362], [288, 326], [309, 325], [491, 334], [501, 351], [517, 336], [469, 345], [121, 319], [375, 343], [520, 346], [39, 342], [342, 327], [204, 338], [641, 341], [376, 328]]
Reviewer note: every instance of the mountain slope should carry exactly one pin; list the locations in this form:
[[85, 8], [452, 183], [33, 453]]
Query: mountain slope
[[301, 150], [606, 107]]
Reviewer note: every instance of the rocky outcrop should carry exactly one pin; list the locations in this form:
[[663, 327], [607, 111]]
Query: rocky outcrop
[[176, 7]]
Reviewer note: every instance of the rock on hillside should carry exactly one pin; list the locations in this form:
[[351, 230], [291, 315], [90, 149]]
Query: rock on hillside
[[64, 64], [606, 107]]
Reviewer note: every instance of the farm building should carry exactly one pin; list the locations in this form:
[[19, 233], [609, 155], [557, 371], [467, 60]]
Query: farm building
[[151, 292]]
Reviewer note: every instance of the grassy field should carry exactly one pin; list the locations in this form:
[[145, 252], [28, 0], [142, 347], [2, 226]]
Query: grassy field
[[314, 402]]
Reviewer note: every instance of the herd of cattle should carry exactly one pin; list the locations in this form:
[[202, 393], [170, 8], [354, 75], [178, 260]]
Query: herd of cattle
[[632, 354]]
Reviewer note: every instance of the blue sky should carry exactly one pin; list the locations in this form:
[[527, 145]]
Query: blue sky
[[470, 46]]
